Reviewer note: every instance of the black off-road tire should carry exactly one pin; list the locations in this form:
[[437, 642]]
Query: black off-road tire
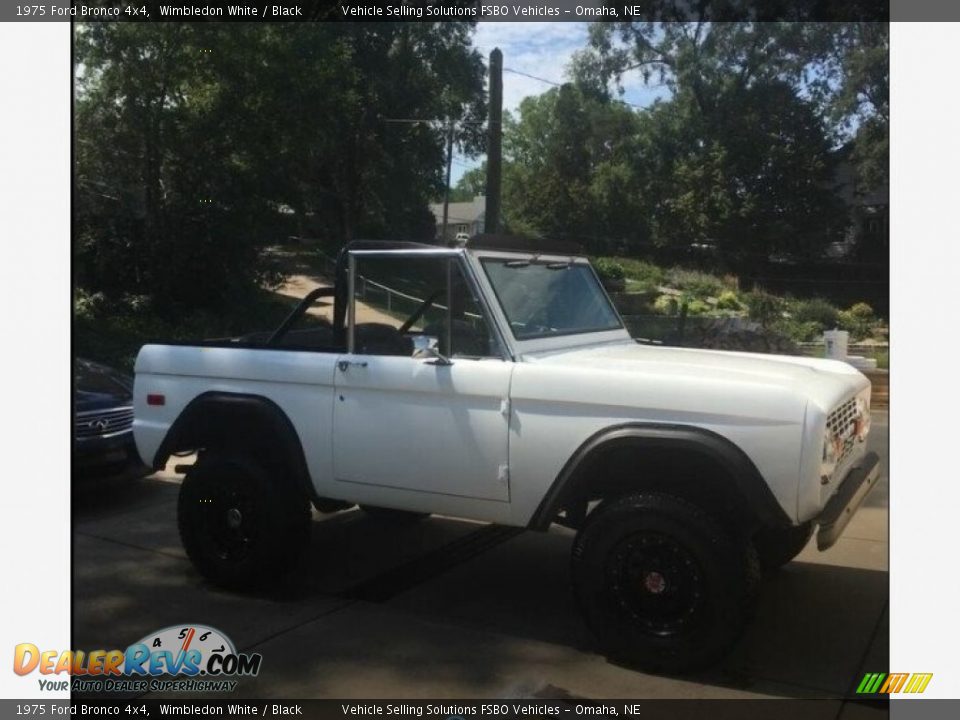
[[777, 547], [393, 516], [663, 584], [241, 526]]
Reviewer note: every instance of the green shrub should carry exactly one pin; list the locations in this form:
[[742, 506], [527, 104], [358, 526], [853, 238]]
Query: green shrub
[[763, 307], [87, 305], [698, 307], [609, 269], [857, 327], [666, 305], [799, 331], [639, 286], [694, 282], [816, 310], [637, 270], [859, 321], [728, 301], [862, 310]]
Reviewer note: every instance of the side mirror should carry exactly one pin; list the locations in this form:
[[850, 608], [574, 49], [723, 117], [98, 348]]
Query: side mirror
[[436, 357], [423, 342]]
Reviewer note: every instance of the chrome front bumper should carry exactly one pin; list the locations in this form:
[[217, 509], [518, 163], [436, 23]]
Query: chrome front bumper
[[844, 503]]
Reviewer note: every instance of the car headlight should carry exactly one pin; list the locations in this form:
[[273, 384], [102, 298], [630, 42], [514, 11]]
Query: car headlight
[[828, 463]]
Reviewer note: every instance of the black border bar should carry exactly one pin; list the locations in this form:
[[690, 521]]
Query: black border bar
[[454, 709], [463, 10]]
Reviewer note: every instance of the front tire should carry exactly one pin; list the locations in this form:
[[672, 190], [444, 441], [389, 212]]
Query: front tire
[[240, 527], [661, 583]]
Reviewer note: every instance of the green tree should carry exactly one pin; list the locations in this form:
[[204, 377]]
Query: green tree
[[471, 184], [753, 178], [853, 84], [570, 169], [163, 172], [842, 68], [376, 174], [700, 57], [741, 155], [199, 143]]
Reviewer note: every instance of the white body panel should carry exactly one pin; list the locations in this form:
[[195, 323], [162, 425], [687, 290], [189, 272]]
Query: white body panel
[[300, 383], [416, 436], [411, 425], [760, 403], [486, 439]]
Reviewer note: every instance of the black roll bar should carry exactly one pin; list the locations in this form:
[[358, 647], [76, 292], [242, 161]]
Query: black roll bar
[[298, 312]]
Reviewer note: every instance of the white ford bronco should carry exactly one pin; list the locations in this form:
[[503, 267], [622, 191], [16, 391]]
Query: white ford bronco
[[501, 385]]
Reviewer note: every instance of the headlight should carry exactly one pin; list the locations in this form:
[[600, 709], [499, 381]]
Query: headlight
[[830, 454]]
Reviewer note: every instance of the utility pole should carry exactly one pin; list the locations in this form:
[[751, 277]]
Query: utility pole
[[494, 137], [446, 192]]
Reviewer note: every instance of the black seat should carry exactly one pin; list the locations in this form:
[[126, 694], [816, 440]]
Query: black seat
[[320, 338], [313, 338], [381, 339]]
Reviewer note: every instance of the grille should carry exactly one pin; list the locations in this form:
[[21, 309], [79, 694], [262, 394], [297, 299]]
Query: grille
[[842, 424], [103, 422]]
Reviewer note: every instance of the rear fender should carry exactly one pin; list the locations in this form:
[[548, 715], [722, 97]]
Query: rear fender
[[229, 421]]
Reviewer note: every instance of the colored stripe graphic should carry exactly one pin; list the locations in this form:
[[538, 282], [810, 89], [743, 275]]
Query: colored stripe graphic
[[918, 682], [870, 683], [882, 683], [894, 682]]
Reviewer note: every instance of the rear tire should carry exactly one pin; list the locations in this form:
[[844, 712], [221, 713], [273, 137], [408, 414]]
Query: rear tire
[[393, 516], [775, 548], [661, 583], [240, 527]]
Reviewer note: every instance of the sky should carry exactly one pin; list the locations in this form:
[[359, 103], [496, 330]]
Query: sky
[[543, 50]]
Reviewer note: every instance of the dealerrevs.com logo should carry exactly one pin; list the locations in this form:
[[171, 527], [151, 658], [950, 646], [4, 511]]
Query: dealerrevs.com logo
[[185, 658]]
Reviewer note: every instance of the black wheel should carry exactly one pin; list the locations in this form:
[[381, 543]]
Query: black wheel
[[775, 548], [661, 583], [391, 515], [240, 527]]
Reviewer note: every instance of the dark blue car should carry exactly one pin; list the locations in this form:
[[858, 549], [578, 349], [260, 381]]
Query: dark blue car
[[103, 421]]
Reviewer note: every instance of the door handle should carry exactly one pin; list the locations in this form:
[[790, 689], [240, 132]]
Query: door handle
[[344, 365]]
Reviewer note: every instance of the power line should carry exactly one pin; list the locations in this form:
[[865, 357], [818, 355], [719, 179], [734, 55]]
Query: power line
[[557, 84], [430, 121], [532, 77], [412, 121]]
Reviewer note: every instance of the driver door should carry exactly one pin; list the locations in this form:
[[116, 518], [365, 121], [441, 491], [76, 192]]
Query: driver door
[[421, 399]]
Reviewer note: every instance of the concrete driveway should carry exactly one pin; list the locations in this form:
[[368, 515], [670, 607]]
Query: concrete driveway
[[446, 609]]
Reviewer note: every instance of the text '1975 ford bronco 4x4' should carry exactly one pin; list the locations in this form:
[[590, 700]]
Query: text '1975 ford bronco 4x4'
[[502, 386]]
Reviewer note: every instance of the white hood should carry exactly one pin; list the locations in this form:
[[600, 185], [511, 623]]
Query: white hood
[[824, 381]]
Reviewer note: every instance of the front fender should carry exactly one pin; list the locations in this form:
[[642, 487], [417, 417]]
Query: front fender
[[747, 480]]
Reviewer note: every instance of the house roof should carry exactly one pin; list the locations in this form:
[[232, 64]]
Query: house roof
[[461, 212]]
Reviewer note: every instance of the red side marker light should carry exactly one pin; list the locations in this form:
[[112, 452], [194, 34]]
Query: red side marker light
[[156, 399]]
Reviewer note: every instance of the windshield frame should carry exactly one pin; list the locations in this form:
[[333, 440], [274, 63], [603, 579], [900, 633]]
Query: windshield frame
[[553, 340], [491, 310]]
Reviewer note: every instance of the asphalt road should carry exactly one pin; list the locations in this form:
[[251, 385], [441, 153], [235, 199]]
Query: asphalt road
[[446, 609]]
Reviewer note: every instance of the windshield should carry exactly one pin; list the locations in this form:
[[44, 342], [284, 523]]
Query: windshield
[[547, 299]]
